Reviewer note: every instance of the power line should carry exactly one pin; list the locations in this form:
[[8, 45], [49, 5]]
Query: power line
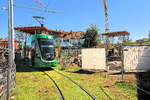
[[42, 14], [45, 10]]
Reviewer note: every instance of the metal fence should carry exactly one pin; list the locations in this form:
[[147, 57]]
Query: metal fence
[[133, 67], [71, 57], [7, 69], [7, 64]]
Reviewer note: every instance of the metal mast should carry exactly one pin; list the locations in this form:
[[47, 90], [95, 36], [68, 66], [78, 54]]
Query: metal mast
[[106, 17], [11, 29], [107, 44], [10, 44]]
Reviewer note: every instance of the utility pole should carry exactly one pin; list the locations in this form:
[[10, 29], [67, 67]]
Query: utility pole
[[11, 29], [10, 44]]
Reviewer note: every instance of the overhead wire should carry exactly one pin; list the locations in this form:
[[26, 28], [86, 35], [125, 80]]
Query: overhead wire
[[46, 8], [50, 11]]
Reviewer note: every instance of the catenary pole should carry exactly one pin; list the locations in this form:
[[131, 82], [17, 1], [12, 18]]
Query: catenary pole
[[9, 49], [12, 32], [10, 45]]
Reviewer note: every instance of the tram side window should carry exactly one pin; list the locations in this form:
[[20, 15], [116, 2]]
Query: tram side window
[[32, 49], [37, 51], [32, 45], [28, 47]]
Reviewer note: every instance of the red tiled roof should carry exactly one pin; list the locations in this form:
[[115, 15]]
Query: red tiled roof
[[61, 33], [7, 40]]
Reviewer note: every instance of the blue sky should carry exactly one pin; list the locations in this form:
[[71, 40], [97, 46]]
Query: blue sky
[[77, 15]]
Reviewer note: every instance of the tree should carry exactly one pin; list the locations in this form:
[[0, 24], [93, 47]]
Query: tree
[[91, 36], [20, 36]]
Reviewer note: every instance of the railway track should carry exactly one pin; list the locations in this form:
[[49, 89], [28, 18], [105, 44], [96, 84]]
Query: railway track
[[60, 93], [77, 85], [47, 73]]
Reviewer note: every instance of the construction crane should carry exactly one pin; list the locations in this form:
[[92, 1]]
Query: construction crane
[[106, 17], [107, 44]]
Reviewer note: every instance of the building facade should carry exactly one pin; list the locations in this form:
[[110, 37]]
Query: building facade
[[4, 44]]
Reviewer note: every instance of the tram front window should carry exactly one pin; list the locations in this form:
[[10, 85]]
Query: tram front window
[[48, 53], [46, 41], [47, 49]]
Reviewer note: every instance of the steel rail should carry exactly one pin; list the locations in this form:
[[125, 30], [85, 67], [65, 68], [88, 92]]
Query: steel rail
[[77, 85], [60, 93]]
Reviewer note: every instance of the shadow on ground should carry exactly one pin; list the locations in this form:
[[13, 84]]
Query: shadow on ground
[[22, 67], [143, 85], [119, 73], [81, 71]]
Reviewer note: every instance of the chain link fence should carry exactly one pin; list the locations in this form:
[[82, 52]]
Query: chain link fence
[[70, 57], [134, 67], [7, 70]]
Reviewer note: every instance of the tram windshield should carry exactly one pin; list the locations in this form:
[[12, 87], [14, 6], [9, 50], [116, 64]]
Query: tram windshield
[[43, 41], [47, 49]]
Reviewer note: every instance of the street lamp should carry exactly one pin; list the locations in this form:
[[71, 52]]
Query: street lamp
[[4, 8]]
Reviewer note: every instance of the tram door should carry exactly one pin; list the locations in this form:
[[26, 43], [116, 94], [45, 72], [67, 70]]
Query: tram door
[[33, 53], [36, 58]]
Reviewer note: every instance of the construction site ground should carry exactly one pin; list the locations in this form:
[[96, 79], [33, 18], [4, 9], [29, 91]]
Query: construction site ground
[[33, 85]]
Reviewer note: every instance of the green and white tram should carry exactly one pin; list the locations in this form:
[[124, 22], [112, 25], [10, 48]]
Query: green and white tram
[[40, 51]]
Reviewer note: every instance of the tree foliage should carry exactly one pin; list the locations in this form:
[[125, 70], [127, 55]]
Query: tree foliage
[[20, 36], [91, 36]]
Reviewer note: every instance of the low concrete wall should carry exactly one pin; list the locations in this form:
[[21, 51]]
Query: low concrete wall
[[136, 57], [94, 58]]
